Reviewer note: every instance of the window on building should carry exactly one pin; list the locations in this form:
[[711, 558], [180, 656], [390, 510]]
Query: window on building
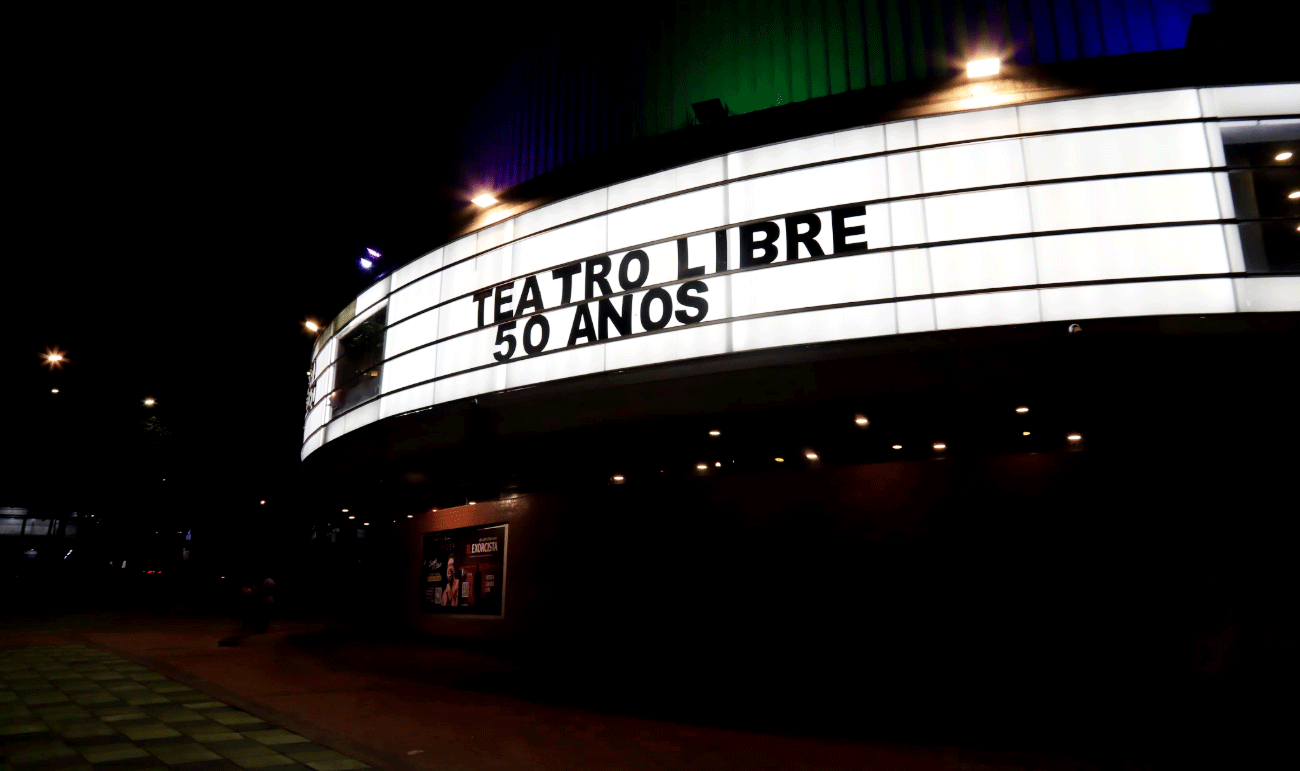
[[1263, 178], [361, 353]]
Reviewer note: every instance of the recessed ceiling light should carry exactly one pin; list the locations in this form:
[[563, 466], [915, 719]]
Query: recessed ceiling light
[[345, 511], [780, 460], [618, 477], [1022, 410], [940, 446], [715, 433], [1024, 433], [1294, 194], [484, 200], [718, 464], [54, 390], [810, 455], [312, 326], [982, 68], [352, 516], [898, 447], [410, 516], [1283, 156], [1074, 437], [365, 524], [861, 420], [702, 466]]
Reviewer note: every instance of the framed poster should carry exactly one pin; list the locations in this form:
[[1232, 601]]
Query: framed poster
[[464, 571]]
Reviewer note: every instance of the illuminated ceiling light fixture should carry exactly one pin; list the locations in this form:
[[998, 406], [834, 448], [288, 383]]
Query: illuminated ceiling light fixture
[[374, 253], [410, 516], [365, 524], [1284, 156], [484, 200], [1074, 437], [861, 420], [150, 402], [618, 477], [367, 264], [701, 466], [261, 503], [54, 390], [898, 447], [54, 358], [1022, 410], [780, 460], [352, 516], [940, 446], [982, 68], [311, 326], [1294, 194], [345, 511], [718, 464], [473, 503], [1024, 433], [810, 455], [715, 433]]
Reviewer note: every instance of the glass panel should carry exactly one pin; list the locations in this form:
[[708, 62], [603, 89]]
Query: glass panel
[[360, 358], [1262, 183]]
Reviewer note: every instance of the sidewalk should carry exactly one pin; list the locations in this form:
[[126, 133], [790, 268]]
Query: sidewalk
[[396, 707]]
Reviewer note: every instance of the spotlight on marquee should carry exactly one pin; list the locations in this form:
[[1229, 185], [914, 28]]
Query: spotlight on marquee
[[1283, 156], [483, 200], [982, 68], [374, 253], [311, 326], [367, 264]]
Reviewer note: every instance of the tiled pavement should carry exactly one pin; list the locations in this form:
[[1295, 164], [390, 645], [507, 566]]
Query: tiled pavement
[[77, 707]]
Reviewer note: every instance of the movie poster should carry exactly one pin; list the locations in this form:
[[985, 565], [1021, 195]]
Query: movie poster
[[464, 571]]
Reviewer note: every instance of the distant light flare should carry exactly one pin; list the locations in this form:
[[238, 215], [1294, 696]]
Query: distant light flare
[[54, 358], [483, 200]]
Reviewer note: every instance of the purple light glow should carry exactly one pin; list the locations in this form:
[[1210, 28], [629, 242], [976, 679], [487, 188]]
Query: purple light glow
[[367, 264], [373, 253]]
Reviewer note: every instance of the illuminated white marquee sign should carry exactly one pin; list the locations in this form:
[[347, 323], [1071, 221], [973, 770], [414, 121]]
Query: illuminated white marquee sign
[[1053, 211]]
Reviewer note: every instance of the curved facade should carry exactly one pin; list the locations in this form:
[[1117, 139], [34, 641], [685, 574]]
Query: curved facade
[[1127, 205]]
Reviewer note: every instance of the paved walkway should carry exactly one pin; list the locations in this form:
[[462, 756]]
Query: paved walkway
[[72, 706], [151, 692]]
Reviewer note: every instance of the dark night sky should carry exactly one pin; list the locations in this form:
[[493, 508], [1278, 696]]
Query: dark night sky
[[182, 193]]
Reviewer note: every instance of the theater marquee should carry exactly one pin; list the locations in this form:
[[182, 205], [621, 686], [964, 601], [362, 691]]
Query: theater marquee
[[1056, 211]]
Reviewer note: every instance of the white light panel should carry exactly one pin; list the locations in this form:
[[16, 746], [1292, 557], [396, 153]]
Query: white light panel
[[410, 368], [1109, 110], [1152, 298], [983, 265], [415, 297], [1116, 151], [1138, 253], [987, 310], [964, 126], [1124, 201], [972, 165], [421, 267]]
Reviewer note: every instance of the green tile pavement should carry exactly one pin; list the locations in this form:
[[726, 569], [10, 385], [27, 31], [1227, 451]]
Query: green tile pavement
[[78, 708]]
